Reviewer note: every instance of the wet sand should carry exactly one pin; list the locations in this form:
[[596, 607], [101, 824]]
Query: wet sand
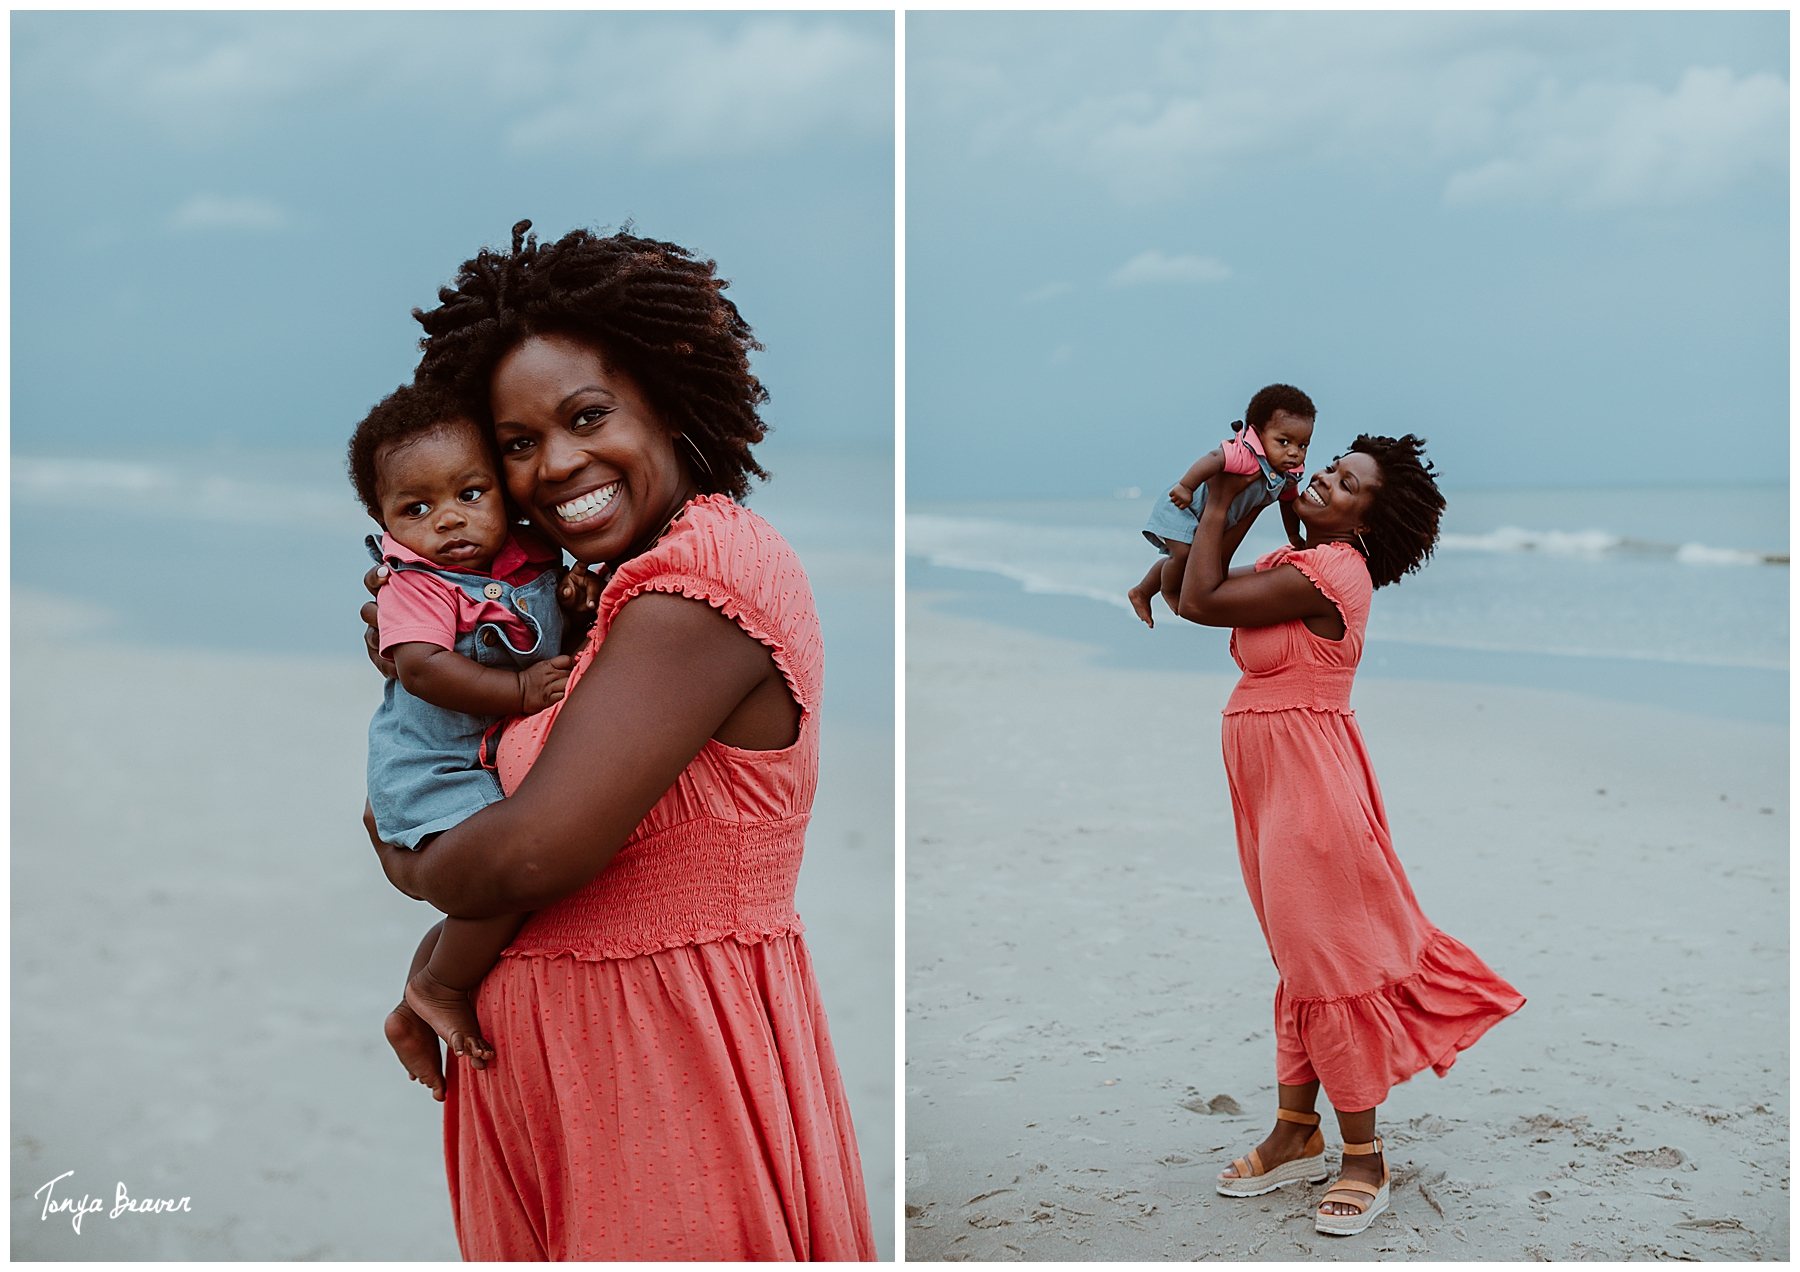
[[204, 949], [1088, 994]]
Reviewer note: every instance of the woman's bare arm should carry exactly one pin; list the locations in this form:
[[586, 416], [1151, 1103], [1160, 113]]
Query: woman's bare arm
[[1213, 598], [670, 674]]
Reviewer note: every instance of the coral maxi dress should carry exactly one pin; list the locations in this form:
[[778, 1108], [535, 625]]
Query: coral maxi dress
[[1371, 992], [664, 1085]]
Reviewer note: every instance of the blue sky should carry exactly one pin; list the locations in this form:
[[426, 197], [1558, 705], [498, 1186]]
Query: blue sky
[[222, 221], [1553, 244]]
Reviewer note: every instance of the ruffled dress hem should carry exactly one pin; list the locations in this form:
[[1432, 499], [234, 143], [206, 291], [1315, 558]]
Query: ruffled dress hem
[[1361, 1045]]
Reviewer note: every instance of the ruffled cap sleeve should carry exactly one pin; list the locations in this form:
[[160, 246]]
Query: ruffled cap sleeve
[[727, 556], [1338, 571]]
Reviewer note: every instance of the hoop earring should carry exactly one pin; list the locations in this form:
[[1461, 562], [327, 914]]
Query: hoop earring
[[1365, 546], [701, 459]]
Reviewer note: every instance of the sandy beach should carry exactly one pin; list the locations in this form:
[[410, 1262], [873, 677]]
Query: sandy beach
[[1088, 994], [204, 948]]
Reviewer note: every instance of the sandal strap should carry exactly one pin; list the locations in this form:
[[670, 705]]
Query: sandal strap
[[1345, 1185], [1254, 1160], [1361, 1202], [1288, 1115], [1364, 1150]]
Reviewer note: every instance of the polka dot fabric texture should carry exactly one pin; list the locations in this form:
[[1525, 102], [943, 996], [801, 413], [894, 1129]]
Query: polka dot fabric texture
[[664, 1086], [1370, 992]]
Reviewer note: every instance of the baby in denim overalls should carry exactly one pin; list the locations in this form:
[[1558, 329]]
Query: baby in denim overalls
[[1269, 442], [471, 615]]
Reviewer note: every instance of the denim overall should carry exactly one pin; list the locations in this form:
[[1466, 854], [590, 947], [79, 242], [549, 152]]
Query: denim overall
[[1169, 522], [425, 771]]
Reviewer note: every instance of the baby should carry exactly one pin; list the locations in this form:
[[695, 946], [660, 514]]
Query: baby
[[1271, 441], [472, 617]]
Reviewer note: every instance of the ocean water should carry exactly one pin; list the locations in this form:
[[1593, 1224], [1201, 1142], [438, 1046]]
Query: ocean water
[[1558, 586], [263, 550]]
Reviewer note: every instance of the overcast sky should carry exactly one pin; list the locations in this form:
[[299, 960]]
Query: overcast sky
[[221, 221], [1553, 244]]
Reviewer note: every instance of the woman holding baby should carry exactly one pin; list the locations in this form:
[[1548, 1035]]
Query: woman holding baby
[[662, 1084], [1371, 992]]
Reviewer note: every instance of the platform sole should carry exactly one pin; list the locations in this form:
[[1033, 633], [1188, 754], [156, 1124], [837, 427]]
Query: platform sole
[[1350, 1225], [1308, 1170]]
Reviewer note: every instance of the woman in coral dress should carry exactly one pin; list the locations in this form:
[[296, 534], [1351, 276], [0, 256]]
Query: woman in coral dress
[[1370, 991], [663, 1085]]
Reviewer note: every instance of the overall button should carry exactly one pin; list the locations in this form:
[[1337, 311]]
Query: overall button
[[489, 639], [493, 591]]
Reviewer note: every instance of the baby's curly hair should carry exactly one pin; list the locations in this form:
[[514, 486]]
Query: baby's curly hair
[[1402, 521], [1278, 397], [412, 410], [654, 310]]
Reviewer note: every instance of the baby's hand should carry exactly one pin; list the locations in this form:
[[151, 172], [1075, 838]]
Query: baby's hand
[[1181, 496], [543, 683], [579, 593]]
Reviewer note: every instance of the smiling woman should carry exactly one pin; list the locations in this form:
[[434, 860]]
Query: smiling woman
[[581, 445], [662, 1084], [1371, 991]]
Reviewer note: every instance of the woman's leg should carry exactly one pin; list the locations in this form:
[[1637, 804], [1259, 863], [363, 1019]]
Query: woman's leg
[[1356, 1128], [1288, 1140]]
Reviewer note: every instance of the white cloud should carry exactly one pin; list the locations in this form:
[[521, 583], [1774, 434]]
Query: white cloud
[[1154, 267], [213, 212], [1611, 145], [1039, 294], [674, 85], [1501, 106], [770, 85]]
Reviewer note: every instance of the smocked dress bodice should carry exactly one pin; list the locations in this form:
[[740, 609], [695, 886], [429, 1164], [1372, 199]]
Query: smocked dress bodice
[[1286, 665], [719, 854]]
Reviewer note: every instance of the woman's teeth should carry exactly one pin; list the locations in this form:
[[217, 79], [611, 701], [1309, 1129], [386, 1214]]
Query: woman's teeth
[[1312, 493], [589, 504]]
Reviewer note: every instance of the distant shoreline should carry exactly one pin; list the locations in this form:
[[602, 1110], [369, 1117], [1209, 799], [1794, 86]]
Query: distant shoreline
[[1718, 692]]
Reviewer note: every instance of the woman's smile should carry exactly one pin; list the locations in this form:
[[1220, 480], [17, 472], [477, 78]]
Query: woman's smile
[[583, 508], [583, 449], [1337, 497]]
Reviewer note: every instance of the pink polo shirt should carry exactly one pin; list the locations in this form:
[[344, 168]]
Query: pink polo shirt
[[416, 606], [1241, 453]]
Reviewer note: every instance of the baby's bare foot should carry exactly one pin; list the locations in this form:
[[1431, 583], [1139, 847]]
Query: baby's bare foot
[[1140, 604], [415, 1044], [450, 1014]]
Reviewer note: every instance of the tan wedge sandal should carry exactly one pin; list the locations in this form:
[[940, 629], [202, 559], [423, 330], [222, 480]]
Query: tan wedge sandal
[[1253, 1180], [1369, 1199]]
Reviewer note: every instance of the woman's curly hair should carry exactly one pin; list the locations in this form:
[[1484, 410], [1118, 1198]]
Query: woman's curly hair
[[1401, 526], [655, 312]]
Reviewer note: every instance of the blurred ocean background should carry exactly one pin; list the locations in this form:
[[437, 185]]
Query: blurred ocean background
[[261, 551], [1672, 595]]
